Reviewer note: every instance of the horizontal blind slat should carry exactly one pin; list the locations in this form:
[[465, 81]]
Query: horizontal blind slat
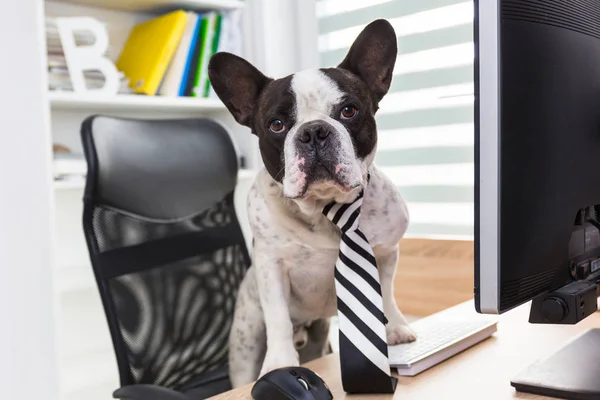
[[441, 57], [427, 175], [392, 9], [405, 27], [428, 117], [437, 38], [414, 43], [442, 213], [440, 97], [439, 231], [326, 8], [428, 136], [433, 78], [437, 193], [425, 156]]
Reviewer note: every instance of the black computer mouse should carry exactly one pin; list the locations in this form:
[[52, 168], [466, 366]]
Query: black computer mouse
[[291, 383]]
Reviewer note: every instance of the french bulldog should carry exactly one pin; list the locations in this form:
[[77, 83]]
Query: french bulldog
[[318, 138]]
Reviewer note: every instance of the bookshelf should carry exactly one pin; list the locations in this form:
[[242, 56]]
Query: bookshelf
[[131, 102]]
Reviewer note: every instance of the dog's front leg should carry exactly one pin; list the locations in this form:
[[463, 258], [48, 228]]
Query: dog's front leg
[[274, 290], [397, 329]]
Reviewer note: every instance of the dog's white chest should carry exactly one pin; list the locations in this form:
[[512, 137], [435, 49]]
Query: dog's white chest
[[312, 288]]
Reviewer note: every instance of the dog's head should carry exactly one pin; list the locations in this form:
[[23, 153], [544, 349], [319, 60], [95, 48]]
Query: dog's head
[[316, 128]]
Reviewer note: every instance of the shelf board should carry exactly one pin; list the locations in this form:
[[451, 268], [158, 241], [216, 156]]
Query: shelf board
[[71, 184], [160, 5], [129, 102]]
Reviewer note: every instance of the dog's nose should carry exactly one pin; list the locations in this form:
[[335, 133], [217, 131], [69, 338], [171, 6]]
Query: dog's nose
[[314, 131]]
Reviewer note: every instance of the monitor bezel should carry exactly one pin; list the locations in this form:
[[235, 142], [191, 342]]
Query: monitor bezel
[[487, 155]]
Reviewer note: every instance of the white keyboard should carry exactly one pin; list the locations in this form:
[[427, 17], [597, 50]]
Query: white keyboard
[[438, 339]]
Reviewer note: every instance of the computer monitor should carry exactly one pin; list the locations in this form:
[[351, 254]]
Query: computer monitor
[[537, 158]]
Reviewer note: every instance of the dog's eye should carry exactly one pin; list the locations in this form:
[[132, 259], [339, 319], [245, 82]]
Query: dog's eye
[[276, 126], [349, 112]]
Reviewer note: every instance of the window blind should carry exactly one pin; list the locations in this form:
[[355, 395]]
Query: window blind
[[425, 122]]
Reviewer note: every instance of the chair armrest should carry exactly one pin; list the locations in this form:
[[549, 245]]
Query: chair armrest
[[147, 392]]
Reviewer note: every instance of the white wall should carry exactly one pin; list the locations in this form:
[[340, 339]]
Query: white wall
[[27, 340]]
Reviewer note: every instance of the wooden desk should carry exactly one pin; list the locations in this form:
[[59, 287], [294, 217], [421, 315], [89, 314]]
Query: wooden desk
[[482, 372]]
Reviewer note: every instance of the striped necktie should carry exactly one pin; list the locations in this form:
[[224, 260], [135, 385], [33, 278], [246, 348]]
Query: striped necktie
[[363, 347]]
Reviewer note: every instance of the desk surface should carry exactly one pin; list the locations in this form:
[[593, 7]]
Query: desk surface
[[481, 372]]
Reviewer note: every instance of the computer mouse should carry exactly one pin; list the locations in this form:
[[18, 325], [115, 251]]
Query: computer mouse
[[291, 383]]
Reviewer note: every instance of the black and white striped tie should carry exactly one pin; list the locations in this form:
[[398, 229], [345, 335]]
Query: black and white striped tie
[[363, 347]]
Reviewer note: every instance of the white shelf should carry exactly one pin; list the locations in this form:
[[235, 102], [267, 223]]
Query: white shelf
[[160, 5], [70, 184], [129, 102]]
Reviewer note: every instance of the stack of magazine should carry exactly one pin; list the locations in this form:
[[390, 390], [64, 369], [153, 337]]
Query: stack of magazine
[[59, 78], [68, 167]]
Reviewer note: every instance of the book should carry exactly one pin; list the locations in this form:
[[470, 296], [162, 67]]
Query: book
[[208, 31], [213, 50], [149, 50], [191, 56], [174, 74], [191, 78]]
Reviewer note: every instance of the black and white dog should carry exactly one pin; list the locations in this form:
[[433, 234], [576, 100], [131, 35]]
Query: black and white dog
[[317, 137]]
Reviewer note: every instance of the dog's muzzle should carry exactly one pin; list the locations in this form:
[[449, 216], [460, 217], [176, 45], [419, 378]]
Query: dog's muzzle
[[321, 161]]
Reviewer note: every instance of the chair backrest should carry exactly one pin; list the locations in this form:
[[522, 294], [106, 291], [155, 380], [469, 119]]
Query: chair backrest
[[165, 244]]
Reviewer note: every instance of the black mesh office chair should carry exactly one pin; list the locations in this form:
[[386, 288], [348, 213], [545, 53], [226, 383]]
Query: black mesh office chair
[[167, 250]]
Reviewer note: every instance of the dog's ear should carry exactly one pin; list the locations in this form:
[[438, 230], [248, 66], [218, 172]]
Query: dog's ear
[[373, 55], [238, 84]]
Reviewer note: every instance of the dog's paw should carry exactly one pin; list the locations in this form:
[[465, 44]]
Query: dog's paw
[[279, 359], [400, 333]]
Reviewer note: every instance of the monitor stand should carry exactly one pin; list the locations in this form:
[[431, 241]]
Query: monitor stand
[[573, 372]]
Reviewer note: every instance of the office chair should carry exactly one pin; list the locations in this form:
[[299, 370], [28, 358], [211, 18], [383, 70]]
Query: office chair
[[167, 250]]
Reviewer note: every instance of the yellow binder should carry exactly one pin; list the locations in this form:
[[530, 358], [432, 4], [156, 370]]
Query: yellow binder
[[149, 49]]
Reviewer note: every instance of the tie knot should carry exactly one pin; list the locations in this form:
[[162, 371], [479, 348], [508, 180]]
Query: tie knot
[[344, 215]]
